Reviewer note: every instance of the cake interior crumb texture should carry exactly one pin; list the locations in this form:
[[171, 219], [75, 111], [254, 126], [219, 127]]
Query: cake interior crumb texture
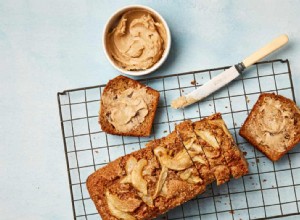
[[166, 173], [127, 107], [273, 125]]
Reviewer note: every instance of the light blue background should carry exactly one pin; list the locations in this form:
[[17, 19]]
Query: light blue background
[[49, 46]]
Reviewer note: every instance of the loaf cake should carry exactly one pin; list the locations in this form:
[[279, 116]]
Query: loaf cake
[[166, 173], [127, 107], [273, 125]]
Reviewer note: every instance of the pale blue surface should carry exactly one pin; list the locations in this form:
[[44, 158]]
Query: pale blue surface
[[47, 47]]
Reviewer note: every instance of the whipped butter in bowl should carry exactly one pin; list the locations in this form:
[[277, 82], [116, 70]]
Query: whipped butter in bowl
[[136, 40]]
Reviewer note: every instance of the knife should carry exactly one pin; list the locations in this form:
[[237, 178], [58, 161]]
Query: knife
[[228, 75]]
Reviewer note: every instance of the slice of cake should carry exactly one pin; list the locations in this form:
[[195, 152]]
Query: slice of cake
[[195, 150], [212, 151], [181, 180], [214, 144], [215, 127], [127, 107], [273, 125]]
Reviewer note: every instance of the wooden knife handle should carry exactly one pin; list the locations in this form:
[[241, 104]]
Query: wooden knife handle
[[266, 50]]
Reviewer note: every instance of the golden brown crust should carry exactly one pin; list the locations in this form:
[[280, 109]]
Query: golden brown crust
[[269, 151], [118, 85]]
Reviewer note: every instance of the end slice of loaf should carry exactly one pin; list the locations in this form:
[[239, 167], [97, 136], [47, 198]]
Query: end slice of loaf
[[114, 88], [273, 125]]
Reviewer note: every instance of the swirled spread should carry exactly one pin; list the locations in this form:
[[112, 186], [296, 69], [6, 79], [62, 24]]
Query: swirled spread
[[275, 126], [138, 41], [128, 109]]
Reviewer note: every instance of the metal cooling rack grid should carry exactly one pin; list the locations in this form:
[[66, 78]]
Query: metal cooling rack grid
[[269, 190]]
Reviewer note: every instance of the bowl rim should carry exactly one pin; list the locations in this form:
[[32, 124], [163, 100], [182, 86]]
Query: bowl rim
[[165, 53]]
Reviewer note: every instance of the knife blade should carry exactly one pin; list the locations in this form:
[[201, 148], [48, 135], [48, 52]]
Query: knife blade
[[228, 75]]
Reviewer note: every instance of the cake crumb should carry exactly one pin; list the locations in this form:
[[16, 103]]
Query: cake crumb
[[165, 131], [193, 82], [182, 90], [231, 211], [96, 151], [245, 153], [247, 99], [264, 180], [257, 160]]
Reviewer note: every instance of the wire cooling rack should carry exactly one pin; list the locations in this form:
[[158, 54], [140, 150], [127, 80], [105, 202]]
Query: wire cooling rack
[[269, 190]]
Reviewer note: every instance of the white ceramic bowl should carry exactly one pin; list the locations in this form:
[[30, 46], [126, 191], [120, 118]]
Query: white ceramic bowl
[[111, 23]]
